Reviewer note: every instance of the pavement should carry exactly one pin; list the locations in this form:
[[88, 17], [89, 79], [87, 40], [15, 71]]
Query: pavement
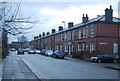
[[13, 68]]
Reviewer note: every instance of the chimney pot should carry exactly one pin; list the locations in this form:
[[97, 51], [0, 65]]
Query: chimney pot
[[48, 33], [60, 28], [110, 7], [43, 34], [85, 19], [83, 15], [39, 35], [53, 30], [70, 24]]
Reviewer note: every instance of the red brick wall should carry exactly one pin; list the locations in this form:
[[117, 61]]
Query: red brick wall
[[106, 48], [110, 33], [107, 29]]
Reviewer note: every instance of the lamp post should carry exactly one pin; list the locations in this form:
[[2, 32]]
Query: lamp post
[[64, 23]]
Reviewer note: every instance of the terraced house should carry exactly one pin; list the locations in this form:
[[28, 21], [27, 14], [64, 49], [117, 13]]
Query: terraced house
[[100, 34]]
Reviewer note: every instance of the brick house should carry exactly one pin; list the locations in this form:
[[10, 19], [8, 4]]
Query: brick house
[[100, 34]]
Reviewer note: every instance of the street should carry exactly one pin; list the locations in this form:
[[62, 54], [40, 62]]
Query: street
[[51, 68]]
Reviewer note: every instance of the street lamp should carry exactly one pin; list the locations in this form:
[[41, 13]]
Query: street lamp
[[64, 23]]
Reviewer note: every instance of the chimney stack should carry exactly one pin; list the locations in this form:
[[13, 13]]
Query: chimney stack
[[53, 30], [85, 19], [109, 14], [39, 35], [35, 37], [43, 34], [70, 24], [60, 28], [47, 33]]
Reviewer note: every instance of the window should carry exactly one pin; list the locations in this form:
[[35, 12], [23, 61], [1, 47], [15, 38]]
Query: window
[[86, 31], [64, 36], [69, 35], [92, 31], [73, 47], [61, 36], [79, 46], [72, 35], [65, 47], [61, 48], [86, 46], [92, 46], [115, 50], [58, 37], [80, 34]]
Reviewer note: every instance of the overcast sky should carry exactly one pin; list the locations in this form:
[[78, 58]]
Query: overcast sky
[[51, 14]]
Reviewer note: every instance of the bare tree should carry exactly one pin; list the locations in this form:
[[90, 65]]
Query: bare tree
[[13, 21]]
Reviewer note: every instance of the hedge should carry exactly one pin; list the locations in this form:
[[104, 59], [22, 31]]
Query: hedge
[[79, 54]]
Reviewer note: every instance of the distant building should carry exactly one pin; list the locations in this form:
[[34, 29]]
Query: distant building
[[22, 43], [22, 39], [100, 35]]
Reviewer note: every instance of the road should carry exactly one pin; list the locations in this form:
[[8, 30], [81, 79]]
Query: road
[[51, 68]]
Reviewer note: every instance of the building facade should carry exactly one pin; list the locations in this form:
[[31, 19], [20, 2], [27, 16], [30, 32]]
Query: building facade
[[100, 34]]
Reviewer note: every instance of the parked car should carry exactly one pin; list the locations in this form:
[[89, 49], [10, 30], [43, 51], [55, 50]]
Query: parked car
[[12, 49], [26, 50], [37, 51], [58, 54], [105, 58], [31, 52], [48, 52], [20, 51], [43, 52]]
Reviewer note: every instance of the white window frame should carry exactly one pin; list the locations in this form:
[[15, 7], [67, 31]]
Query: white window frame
[[79, 44], [92, 31], [73, 47], [61, 37], [86, 31], [92, 46], [65, 48], [73, 35], [65, 37], [69, 35], [58, 37], [80, 34], [115, 47], [86, 47], [61, 48]]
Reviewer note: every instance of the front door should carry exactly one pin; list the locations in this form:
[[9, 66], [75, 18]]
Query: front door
[[69, 49]]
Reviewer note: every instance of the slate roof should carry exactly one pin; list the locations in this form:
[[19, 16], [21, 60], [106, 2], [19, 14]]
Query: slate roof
[[97, 19]]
